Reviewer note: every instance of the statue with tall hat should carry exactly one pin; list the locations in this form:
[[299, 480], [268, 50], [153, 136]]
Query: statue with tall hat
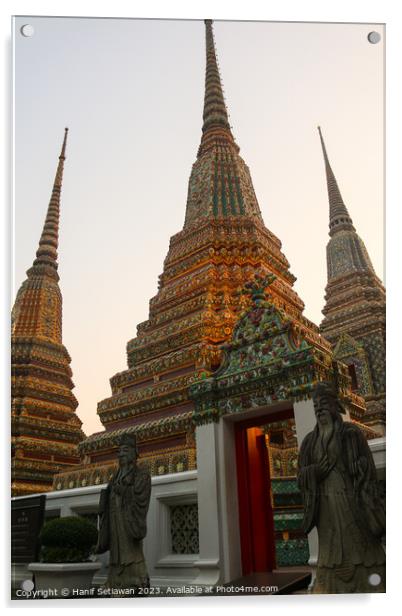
[[123, 511], [342, 498]]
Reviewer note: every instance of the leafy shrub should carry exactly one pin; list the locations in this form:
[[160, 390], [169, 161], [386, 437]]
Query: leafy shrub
[[68, 539]]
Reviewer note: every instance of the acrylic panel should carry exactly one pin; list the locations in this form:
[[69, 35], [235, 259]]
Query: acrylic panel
[[200, 249]]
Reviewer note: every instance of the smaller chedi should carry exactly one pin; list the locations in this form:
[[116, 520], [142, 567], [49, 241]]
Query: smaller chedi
[[341, 497], [123, 509], [45, 428]]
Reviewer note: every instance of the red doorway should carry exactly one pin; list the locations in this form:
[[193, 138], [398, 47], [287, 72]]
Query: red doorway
[[254, 495]]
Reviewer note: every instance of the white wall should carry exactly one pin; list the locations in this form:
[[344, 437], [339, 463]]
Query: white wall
[[165, 568]]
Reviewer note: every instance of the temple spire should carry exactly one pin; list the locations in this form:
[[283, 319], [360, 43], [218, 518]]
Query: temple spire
[[45, 428], [354, 311], [220, 184], [215, 112], [339, 217], [46, 255], [216, 127]]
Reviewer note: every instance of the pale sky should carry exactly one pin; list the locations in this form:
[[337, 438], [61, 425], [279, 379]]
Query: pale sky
[[131, 93]]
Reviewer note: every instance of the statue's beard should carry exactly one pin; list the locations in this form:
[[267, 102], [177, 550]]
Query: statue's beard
[[325, 431]]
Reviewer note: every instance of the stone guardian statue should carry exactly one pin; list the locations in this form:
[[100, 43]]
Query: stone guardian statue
[[341, 497], [123, 511]]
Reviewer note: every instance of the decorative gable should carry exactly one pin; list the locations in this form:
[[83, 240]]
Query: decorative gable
[[266, 361]]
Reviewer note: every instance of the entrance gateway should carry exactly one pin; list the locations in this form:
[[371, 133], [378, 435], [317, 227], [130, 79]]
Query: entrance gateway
[[244, 414]]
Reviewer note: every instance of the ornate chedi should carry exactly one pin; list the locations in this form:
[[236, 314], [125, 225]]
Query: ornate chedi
[[223, 243], [45, 427], [354, 311]]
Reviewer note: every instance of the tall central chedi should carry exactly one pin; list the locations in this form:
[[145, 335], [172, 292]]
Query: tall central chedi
[[223, 243]]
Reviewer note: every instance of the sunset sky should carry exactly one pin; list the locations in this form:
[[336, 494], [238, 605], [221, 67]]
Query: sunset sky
[[131, 92]]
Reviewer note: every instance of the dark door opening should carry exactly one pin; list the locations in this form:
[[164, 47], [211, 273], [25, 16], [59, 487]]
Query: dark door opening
[[256, 520]]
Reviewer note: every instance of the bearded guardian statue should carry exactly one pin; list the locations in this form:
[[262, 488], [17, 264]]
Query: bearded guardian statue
[[123, 511], [341, 497]]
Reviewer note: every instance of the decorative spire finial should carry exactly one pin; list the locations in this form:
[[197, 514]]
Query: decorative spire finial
[[215, 116], [46, 255], [339, 217]]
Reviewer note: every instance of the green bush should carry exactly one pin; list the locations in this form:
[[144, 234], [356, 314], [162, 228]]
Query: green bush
[[68, 539]]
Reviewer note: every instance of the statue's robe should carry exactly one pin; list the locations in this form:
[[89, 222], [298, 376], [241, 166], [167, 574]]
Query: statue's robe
[[124, 506], [347, 508]]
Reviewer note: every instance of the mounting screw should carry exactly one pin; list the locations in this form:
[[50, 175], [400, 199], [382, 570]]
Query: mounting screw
[[27, 30], [374, 37]]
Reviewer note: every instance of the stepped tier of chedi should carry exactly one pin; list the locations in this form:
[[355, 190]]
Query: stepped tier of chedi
[[45, 428], [354, 312], [222, 245]]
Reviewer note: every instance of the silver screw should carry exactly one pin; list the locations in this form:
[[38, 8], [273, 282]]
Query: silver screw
[[27, 585], [374, 579], [27, 30], [374, 37]]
